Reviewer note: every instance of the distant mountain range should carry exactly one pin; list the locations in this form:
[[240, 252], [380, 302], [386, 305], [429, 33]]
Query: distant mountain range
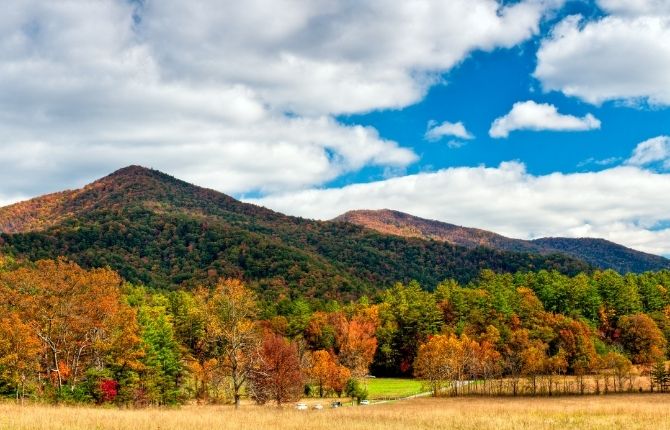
[[163, 232], [597, 252]]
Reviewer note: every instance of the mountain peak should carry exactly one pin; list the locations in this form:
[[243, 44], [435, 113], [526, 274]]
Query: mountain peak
[[131, 183], [358, 213], [163, 232], [132, 170], [131, 186], [135, 173]]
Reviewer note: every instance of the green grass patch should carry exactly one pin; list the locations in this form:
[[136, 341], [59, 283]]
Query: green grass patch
[[380, 388]]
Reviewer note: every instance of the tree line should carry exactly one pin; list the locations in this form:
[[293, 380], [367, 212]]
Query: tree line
[[71, 334]]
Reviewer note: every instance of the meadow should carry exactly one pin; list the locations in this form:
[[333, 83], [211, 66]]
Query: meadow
[[392, 388], [629, 411]]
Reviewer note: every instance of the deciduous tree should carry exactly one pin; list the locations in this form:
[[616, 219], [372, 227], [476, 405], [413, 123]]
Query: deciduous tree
[[19, 352], [277, 375], [74, 312], [234, 311], [357, 342], [327, 374], [641, 337]]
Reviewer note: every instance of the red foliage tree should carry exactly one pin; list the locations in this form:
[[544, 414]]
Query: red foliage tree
[[108, 388], [277, 376]]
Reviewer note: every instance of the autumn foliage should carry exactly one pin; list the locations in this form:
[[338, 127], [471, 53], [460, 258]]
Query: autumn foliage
[[77, 318], [277, 376], [78, 335]]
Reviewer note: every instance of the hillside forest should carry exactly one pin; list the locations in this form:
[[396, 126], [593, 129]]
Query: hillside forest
[[69, 334], [158, 231]]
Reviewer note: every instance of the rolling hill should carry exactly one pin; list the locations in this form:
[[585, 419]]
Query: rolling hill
[[165, 233], [597, 252]]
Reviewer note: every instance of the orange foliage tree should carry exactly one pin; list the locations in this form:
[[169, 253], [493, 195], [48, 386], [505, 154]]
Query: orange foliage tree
[[357, 341], [641, 337], [19, 352], [78, 315], [327, 374]]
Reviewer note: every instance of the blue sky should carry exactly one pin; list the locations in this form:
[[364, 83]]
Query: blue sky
[[530, 118], [484, 87]]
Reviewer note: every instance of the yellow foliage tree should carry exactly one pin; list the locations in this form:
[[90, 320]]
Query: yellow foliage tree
[[19, 352]]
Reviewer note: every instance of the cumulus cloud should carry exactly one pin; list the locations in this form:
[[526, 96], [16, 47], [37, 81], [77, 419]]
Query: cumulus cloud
[[332, 57], [530, 115], [241, 98], [624, 56], [624, 204], [437, 131], [651, 152]]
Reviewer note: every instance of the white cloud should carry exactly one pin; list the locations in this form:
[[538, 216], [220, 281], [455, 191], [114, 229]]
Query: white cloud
[[455, 144], [599, 162], [622, 204], [328, 56], [437, 131], [277, 154], [238, 96], [530, 115], [652, 151], [635, 7], [624, 56]]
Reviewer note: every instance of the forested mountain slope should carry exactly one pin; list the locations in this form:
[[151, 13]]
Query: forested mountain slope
[[163, 232], [597, 252]]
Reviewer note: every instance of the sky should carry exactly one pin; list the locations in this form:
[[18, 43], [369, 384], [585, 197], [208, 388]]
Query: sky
[[530, 118]]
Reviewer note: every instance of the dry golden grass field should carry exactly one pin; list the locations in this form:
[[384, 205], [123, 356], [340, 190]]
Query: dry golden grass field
[[650, 411]]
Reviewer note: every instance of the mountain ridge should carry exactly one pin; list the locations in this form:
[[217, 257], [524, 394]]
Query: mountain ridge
[[128, 181], [598, 252], [160, 231]]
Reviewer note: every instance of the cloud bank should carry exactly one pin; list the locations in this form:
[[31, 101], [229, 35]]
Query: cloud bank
[[241, 97], [624, 204], [245, 99]]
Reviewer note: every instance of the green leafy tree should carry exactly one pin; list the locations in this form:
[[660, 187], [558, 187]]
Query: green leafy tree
[[653, 293], [620, 294], [163, 366], [356, 390], [660, 376], [408, 315]]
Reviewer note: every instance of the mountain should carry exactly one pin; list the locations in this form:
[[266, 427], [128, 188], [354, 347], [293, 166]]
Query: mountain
[[163, 232], [605, 254], [401, 224], [597, 252]]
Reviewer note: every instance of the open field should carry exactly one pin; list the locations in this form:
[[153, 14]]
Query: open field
[[383, 388], [590, 412]]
